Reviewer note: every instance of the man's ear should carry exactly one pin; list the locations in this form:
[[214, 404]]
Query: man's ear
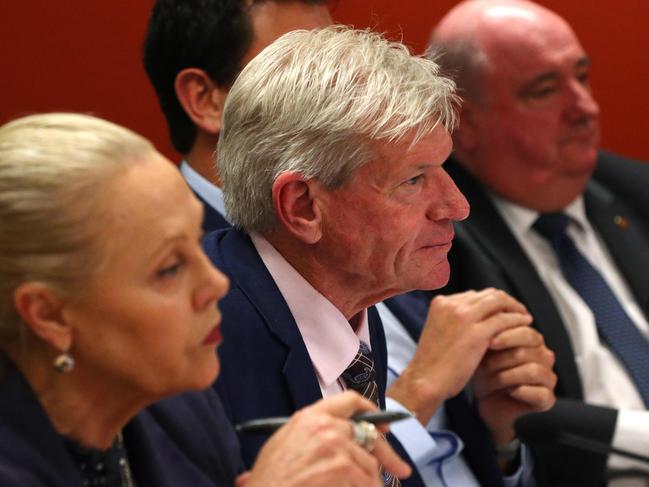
[[296, 206], [41, 310], [201, 99], [465, 137]]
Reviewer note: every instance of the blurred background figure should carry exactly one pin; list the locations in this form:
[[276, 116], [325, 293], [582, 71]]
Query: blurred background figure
[[193, 52], [554, 221], [108, 304]]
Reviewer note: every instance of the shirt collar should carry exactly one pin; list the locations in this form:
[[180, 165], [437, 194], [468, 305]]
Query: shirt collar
[[521, 219], [211, 194], [330, 340]]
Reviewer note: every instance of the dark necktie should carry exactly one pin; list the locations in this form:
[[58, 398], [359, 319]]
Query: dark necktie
[[613, 324], [360, 376]]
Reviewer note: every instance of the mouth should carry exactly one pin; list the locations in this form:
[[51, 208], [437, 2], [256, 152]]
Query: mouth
[[581, 135], [214, 337]]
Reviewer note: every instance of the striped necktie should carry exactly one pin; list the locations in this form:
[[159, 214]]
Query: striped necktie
[[360, 376]]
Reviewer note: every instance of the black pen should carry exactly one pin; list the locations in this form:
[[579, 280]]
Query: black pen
[[269, 425]]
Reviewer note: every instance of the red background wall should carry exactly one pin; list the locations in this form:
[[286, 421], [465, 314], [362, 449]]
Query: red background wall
[[80, 55]]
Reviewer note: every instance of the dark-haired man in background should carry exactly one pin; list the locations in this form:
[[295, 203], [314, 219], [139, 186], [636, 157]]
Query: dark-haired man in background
[[193, 51]]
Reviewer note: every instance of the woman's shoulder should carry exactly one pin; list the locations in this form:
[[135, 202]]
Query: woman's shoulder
[[191, 429]]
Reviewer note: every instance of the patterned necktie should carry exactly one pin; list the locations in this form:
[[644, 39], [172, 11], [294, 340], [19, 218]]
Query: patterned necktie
[[613, 324], [360, 376]]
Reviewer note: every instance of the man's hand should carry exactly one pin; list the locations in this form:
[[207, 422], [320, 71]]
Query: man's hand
[[316, 449], [458, 330], [514, 378]]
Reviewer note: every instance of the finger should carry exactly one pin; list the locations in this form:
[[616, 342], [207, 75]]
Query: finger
[[391, 462], [365, 461], [510, 358], [343, 405], [242, 479], [526, 374], [493, 300], [539, 398], [498, 323], [522, 336]]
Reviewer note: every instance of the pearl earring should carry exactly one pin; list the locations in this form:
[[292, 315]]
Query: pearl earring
[[63, 362]]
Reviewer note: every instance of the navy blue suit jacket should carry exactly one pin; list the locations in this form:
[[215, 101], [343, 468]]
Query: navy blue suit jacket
[[266, 368], [486, 254], [184, 440], [212, 219]]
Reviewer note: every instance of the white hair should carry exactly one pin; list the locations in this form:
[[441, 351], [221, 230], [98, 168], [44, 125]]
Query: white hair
[[54, 173], [317, 102]]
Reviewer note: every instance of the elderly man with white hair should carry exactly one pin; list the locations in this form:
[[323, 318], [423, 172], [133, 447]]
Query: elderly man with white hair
[[330, 158]]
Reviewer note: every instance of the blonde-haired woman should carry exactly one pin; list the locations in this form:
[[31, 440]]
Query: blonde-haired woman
[[107, 305]]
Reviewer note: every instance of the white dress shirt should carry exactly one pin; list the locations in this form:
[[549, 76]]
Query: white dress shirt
[[605, 380]]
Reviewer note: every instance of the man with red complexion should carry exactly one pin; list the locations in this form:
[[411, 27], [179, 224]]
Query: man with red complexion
[[527, 151], [331, 157]]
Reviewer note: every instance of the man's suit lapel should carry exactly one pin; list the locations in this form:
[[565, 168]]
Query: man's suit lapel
[[212, 219], [622, 231], [490, 232], [254, 280]]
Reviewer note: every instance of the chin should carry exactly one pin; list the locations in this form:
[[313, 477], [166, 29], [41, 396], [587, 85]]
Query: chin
[[202, 375], [437, 277]]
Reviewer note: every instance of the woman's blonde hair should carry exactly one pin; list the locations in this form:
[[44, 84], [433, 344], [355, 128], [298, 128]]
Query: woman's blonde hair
[[55, 170]]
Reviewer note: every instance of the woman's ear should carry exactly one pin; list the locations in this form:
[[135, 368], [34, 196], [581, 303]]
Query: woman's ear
[[201, 99], [296, 206], [41, 309]]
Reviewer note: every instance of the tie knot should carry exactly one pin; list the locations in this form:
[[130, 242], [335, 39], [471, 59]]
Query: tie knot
[[551, 225], [360, 375]]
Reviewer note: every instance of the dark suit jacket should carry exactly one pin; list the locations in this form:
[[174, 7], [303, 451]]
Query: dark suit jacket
[[266, 368], [212, 219], [185, 440], [485, 253]]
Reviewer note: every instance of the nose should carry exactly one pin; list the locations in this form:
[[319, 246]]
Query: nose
[[446, 201], [213, 285], [581, 102]]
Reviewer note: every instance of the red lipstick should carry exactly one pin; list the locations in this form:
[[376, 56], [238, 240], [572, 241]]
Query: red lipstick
[[214, 337]]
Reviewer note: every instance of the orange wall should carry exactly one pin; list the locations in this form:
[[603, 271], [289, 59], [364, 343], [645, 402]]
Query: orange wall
[[85, 56]]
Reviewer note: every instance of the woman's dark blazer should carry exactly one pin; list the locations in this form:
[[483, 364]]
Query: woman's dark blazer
[[184, 440]]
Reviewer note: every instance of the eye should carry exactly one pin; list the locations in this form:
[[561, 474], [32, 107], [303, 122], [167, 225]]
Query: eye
[[583, 77], [543, 92], [170, 270], [414, 181]]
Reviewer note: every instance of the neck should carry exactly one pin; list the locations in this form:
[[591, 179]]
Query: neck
[[341, 289], [78, 404], [202, 157]]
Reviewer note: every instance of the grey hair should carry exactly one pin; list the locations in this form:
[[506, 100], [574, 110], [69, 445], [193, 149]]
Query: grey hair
[[55, 170], [464, 62], [317, 102]]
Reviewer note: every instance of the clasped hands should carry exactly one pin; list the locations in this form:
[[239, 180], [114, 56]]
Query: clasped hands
[[484, 337]]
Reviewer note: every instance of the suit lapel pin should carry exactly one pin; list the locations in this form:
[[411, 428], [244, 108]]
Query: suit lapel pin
[[621, 222]]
